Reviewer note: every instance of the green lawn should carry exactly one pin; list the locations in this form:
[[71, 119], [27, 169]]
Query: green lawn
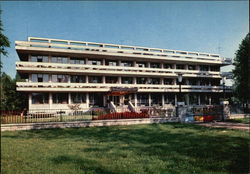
[[240, 120], [159, 148]]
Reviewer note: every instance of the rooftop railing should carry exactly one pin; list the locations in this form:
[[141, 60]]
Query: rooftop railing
[[122, 49]]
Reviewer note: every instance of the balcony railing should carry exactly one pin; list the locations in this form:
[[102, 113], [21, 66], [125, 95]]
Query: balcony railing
[[121, 50], [102, 87], [118, 70]]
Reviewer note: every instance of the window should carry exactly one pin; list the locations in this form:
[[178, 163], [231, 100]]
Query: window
[[127, 80], [111, 62], [94, 62], [141, 64], [141, 80], [77, 79], [60, 78], [204, 68], [111, 79], [214, 68], [153, 81], [180, 67], [168, 81], [191, 67], [155, 65], [156, 99], [126, 63], [95, 79], [142, 99], [77, 61], [168, 66], [39, 77], [59, 60], [60, 98], [169, 98], [78, 97], [40, 98], [39, 59]]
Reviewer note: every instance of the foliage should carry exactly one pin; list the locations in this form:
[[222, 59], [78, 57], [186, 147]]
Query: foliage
[[241, 72], [10, 98], [157, 148], [4, 41]]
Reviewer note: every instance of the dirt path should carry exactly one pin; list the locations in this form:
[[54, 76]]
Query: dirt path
[[228, 125]]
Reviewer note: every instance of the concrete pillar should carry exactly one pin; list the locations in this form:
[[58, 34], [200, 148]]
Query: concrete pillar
[[87, 79], [149, 99], [209, 100], [186, 67], [30, 100], [162, 65], [135, 100], [119, 80], [162, 81], [174, 66], [187, 99], [119, 62], [134, 80], [103, 80], [198, 67], [104, 100], [87, 99], [103, 61], [163, 99], [134, 63], [86, 60], [148, 65], [50, 100], [69, 98]]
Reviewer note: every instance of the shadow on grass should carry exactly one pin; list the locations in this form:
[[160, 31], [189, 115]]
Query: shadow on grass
[[193, 145]]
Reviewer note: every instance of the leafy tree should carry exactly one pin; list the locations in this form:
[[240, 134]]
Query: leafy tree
[[4, 41], [241, 72], [10, 98]]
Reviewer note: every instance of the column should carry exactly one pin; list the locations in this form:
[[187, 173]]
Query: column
[[199, 99], [103, 80], [50, 100], [134, 63], [175, 99], [86, 61], [119, 80], [174, 66], [198, 67], [135, 100], [103, 61], [87, 99], [163, 99], [209, 99], [30, 99], [104, 100], [162, 65], [187, 99], [162, 81], [87, 79], [186, 67], [69, 98], [149, 99], [148, 65], [119, 62], [134, 80]]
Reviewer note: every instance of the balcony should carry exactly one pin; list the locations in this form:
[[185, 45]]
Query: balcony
[[100, 49], [101, 87], [41, 67]]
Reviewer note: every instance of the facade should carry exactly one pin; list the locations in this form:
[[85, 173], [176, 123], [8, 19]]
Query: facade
[[59, 73]]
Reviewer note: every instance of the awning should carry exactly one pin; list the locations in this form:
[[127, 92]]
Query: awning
[[117, 91]]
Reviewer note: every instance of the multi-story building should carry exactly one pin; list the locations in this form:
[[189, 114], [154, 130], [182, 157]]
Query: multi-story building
[[58, 73]]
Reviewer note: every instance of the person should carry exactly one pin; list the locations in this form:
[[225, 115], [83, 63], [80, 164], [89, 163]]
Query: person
[[24, 113]]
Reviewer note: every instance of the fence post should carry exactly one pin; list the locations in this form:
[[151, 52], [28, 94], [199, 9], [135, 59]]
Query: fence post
[[61, 115]]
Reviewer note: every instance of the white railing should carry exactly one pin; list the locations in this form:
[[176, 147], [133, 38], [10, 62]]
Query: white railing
[[120, 49], [103, 69], [51, 86]]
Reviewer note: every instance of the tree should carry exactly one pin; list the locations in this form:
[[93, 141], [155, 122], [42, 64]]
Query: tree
[[241, 72], [4, 41]]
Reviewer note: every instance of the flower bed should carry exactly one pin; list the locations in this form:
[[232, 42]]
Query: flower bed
[[121, 115]]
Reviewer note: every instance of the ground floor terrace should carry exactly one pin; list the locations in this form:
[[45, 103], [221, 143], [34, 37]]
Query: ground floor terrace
[[100, 99]]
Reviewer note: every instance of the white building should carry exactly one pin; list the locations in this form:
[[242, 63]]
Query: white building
[[63, 72]]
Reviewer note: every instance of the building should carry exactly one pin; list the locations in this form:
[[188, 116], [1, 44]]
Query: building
[[59, 73]]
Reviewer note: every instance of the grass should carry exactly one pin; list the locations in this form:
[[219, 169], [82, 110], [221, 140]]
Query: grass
[[240, 120], [157, 148]]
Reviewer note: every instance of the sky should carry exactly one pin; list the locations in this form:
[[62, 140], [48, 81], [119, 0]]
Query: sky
[[203, 26]]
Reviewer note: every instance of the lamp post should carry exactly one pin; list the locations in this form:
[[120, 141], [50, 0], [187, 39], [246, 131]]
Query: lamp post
[[179, 94]]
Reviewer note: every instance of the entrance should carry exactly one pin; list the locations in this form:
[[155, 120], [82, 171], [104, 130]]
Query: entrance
[[114, 99]]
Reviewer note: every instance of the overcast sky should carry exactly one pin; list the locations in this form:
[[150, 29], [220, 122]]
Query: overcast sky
[[213, 27]]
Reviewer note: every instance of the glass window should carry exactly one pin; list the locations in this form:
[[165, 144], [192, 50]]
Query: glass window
[[60, 78], [191, 67], [111, 62], [126, 63], [77, 61], [59, 59], [60, 98], [95, 79], [168, 81], [94, 62], [39, 58], [78, 97], [142, 99], [141, 64], [153, 81], [127, 80], [180, 67], [39, 77], [141, 80], [204, 68], [154, 65], [77, 79], [40, 98], [111, 79], [168, 66], [169, 98]]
